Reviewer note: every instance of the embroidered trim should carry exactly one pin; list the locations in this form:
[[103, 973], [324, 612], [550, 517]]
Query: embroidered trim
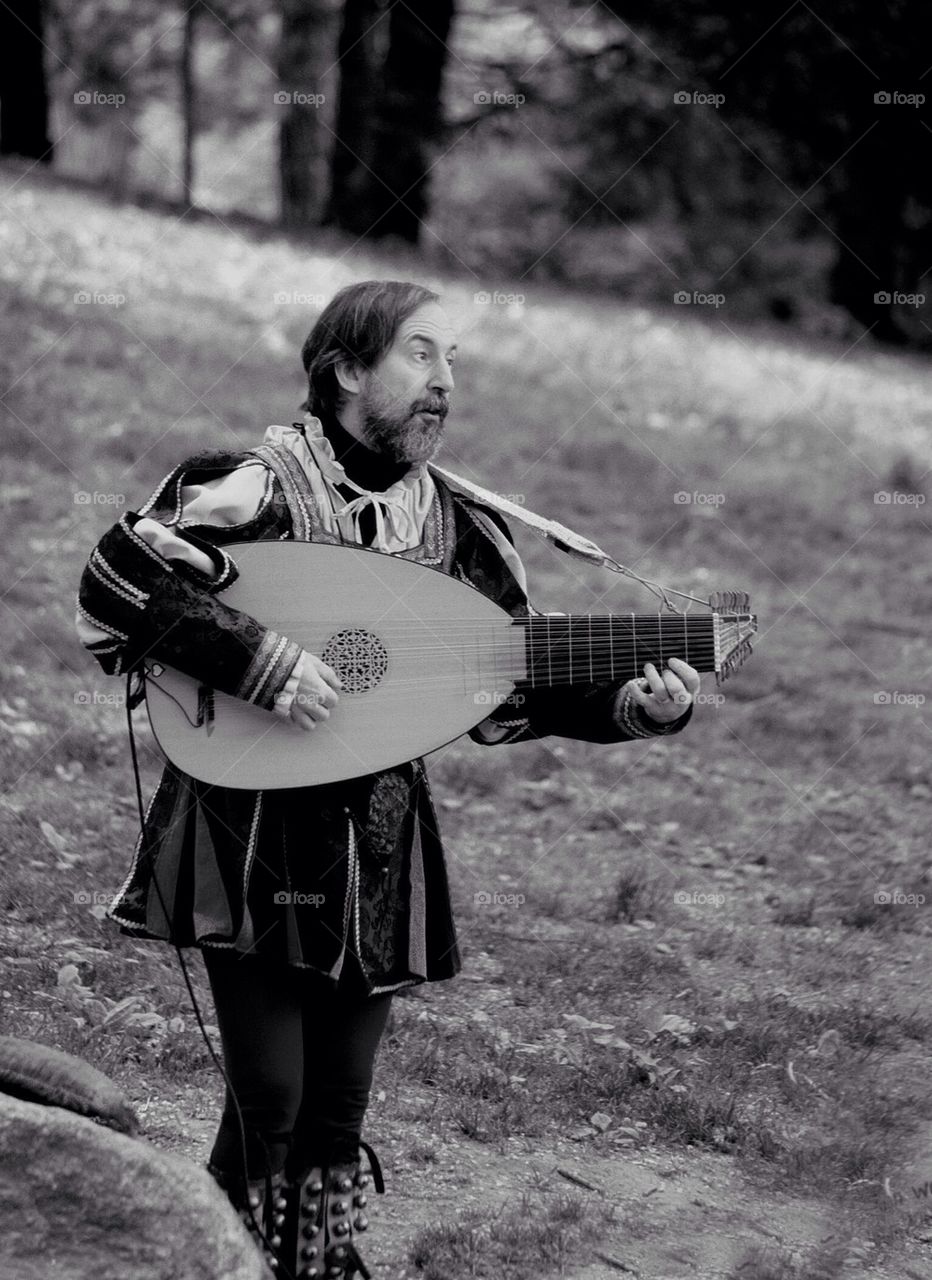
[[426, 552], [627, 718], [263, 664], [251, 846], [293, 483], [119, 586], [229, 569], [158, 491], [111, 631], [142, 544], [137, 850], [356, 904]]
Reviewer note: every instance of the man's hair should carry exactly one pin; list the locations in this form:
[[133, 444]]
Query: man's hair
[[358, 324]]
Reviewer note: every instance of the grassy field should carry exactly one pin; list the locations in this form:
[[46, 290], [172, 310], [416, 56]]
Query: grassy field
[[691, 1034]]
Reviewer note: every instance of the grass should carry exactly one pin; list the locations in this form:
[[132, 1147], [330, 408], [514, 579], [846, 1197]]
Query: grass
[[538, 1235], [733, 877]]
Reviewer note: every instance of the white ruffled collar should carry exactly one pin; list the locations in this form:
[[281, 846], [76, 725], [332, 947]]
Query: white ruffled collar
[[399, 511]]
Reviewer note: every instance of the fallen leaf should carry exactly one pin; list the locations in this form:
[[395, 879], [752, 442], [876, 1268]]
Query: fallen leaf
[[55, 838]]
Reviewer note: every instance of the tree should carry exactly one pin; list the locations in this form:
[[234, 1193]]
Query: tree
[[306, 62], [362, 49], [23, 86], [188, 99], [390, 117], [823, 87]]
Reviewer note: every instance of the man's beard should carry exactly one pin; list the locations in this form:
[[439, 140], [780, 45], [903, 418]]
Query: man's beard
[[403, 435]]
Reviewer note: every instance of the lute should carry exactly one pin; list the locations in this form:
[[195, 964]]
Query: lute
[[423, 657]]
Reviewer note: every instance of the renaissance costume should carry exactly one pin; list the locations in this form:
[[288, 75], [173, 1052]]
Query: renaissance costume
[[369, 847], [236, 868]]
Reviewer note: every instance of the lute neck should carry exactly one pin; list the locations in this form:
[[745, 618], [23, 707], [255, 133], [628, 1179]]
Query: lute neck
[[586, 648]]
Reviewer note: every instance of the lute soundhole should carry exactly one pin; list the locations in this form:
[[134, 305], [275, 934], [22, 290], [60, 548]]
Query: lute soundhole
[[358, 657]]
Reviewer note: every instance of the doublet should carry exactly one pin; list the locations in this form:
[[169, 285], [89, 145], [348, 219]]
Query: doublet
[[351, 872]]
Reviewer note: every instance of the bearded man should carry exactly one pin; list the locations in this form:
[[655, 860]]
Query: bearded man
[[302, 994]]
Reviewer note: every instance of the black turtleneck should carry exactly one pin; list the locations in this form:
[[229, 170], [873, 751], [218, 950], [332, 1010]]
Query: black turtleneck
[[364, 466]]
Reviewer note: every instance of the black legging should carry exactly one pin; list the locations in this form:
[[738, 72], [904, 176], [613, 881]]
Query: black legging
[[300, 1055]]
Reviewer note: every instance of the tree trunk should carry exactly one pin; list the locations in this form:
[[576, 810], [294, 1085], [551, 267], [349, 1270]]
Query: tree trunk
[[395, 197], [306, 64], [23, 86], [362, 51], [188, 109]]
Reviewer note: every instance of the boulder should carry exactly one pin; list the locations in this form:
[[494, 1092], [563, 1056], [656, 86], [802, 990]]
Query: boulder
[[81, 1201]]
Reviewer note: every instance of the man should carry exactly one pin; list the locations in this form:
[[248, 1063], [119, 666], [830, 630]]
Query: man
[[302, 994]]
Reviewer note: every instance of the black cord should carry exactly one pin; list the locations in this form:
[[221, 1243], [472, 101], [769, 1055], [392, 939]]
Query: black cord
[[181, 960]]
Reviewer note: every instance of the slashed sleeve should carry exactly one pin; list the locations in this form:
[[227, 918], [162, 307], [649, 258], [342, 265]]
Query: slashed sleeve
[[151, 588], [597, 712]]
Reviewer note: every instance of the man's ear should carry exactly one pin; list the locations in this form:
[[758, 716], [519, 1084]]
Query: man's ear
[[347, 374]]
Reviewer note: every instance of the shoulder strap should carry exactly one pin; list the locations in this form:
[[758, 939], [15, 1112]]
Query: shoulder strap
[[563, 538]]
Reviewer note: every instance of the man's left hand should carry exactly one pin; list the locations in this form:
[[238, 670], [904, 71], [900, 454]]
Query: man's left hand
[[671, 691]]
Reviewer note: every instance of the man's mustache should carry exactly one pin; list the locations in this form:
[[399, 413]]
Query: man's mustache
[[440, 407]]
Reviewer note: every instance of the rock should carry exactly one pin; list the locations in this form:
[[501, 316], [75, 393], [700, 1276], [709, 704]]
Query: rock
[[80, 1200], [39, 1073]]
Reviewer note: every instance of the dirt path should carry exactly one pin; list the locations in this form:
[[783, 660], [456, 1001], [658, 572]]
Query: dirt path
[[677, 1215]]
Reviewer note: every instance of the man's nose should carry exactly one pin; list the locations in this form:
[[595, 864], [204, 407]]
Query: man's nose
[[441, 378]]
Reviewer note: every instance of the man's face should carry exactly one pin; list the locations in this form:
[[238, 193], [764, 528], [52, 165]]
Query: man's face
[[404, 399]]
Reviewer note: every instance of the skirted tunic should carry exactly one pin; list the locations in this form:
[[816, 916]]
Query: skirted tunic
[[348, 873]]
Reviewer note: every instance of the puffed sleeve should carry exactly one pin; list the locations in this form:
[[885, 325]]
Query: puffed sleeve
[[151, 589]]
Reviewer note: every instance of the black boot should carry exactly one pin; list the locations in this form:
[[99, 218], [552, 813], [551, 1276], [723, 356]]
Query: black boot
[[325, 1212], [261, 1205]]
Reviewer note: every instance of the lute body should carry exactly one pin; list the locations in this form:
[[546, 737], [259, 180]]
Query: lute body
[[422, 656]]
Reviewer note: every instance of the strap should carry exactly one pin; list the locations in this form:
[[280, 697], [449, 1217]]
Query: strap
[[562, 537], [375, 1167]]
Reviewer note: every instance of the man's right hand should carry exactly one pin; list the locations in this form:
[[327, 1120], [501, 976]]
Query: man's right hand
[[317, 693]]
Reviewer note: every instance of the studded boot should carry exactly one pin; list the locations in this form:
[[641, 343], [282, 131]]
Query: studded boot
[[324, 1215], [261, 1209]]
